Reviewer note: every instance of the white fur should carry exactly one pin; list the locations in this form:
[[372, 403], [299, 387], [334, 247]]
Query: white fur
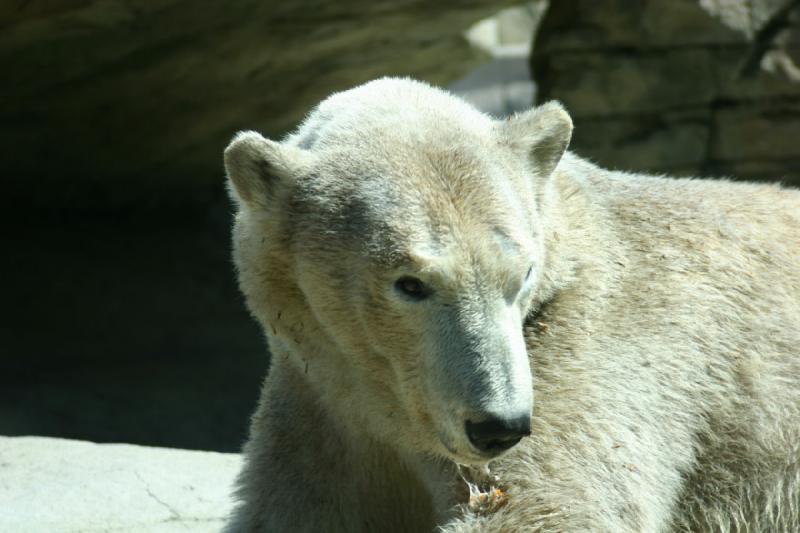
[[658, 329]]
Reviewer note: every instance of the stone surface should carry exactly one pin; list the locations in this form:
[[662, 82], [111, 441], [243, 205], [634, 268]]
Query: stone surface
[[63, 486], [667, 142], [607, 25], [746, 16], [125, 103], [621, 83], [766, 131], [660, 85]]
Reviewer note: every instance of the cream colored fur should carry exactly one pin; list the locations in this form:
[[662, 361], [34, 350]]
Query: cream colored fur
[[661, 320]]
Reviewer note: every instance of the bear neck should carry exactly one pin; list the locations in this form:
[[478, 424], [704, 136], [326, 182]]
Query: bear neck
[[581, 263]]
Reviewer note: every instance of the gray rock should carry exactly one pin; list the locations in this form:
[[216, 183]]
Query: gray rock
[[669, 142], [609, 25], [64, 486], [130, 103], [660, 85], [746, 16], [605, 83], [764, 131]]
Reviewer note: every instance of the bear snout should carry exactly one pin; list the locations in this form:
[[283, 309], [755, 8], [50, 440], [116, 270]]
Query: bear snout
[[493, 435]]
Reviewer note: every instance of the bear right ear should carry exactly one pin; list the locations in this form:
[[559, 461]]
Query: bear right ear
[[258, 167], [543, 133]]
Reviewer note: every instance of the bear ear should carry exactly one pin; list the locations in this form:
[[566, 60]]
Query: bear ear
[[543, 132], [259, 168]]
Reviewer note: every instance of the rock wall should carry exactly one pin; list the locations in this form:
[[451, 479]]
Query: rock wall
[[657, 85], [129, 103]]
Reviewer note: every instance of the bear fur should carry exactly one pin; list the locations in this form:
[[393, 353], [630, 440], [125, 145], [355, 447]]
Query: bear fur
[[659, 321]]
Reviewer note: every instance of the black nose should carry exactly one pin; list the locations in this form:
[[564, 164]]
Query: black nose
[[495, 435]]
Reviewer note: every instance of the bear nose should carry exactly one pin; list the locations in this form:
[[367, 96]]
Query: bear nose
[[495, 435]]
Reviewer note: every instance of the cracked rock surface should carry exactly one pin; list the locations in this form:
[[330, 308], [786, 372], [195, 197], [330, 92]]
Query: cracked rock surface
[[57, 485]]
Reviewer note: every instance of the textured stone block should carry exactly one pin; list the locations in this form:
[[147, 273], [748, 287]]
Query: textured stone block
[[612, 83], [627, 70], [786, 171], [604, 25], [666, 142], [768, 130], [732, 86]]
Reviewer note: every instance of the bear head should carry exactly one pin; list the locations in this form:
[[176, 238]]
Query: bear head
[[391, 248]]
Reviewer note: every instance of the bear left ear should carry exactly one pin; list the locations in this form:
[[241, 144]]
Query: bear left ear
[[259, 168], [543, 132]]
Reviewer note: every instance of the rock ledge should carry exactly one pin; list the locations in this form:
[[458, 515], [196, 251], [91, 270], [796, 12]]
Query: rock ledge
[[57, 485]]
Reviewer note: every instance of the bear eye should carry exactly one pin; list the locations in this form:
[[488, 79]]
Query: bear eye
[[412, 287], [528, 275]]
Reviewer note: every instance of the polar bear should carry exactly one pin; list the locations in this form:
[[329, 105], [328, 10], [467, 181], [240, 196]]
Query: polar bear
[[473, 329]]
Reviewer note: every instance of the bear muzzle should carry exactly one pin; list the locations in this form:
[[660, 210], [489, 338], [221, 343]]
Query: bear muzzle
[[494, 435]]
